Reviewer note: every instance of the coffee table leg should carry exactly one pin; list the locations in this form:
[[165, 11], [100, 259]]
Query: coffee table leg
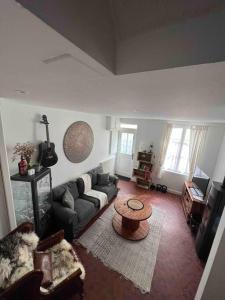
[[138, 232], [132, 225]]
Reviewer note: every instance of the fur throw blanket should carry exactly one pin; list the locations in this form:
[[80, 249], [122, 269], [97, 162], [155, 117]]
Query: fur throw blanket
[[16, 257], [64, 262]]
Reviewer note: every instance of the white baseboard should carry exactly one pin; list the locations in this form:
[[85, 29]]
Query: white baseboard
[[174, 192]]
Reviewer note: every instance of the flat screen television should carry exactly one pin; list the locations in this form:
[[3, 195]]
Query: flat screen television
[[201, 182]]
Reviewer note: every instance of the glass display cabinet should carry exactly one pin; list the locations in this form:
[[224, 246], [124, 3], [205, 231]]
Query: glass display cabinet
[[32, 196]]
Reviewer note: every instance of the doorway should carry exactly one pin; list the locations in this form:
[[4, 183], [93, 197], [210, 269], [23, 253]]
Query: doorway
[[125, 152]]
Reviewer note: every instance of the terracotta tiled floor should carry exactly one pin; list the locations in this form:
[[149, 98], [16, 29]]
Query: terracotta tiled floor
[[177, 271]]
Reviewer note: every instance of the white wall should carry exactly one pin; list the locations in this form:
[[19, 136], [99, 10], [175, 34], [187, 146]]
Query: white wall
[[213, 142], [21, 124], [151, 131], [219, 171], [4, 218]]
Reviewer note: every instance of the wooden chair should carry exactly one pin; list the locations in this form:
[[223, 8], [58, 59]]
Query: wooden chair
[[28, 287]]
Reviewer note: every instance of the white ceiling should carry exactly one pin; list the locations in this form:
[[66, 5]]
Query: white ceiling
[[80, 83]]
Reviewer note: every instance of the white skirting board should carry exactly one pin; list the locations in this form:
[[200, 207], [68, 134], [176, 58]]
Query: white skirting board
[[172, 191]]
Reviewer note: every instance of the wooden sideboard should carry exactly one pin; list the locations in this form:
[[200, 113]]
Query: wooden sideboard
[[191, 205]]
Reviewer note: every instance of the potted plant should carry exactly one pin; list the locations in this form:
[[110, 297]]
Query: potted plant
[[25, 150]]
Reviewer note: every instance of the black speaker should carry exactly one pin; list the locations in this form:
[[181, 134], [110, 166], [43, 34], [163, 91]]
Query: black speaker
[[210, 220], [163, 188], [158, 187]]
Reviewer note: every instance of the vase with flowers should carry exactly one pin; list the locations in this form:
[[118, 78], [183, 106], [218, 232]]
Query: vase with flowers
[[25, 152]]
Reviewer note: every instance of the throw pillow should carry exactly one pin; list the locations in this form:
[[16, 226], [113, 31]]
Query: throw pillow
[[80, 186], [72, 185], [68, 200], [103, 179], [94, 178]]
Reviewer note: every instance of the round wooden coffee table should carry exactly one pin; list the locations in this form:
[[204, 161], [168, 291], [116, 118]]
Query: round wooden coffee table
[[130, 219]]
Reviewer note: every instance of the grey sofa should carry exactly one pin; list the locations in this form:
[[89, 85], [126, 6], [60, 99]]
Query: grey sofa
[[85, 207], [111, 190]]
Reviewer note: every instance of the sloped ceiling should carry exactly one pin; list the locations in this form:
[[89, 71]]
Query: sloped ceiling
[[129, 36], [79, 82], [87, 24], [133, 17]]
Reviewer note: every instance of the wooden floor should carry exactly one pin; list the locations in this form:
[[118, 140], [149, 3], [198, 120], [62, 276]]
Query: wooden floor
[[177, 271]]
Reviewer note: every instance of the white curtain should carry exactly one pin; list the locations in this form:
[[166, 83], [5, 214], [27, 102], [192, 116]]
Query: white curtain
[[164, 147], [197, 140]]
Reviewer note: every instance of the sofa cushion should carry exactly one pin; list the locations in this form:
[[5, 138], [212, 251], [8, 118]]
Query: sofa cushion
[[94, 173], [59, 191], [80, 185], [94, 200], [103, 179], [72, 185], [110, 190], [103, 199], [94, 178], [68, 200], [85, 210]]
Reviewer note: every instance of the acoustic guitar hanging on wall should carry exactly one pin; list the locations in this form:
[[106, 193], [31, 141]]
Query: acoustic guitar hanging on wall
[[47, 156]]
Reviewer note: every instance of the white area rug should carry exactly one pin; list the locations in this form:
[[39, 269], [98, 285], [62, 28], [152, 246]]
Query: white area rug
[[135, 260]]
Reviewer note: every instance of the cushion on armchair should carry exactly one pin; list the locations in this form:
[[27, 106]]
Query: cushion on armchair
[[16, 257], [43, 262], [64, 263]]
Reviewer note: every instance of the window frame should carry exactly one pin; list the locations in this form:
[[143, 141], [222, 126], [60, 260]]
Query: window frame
[[128, 126], [175, 170]]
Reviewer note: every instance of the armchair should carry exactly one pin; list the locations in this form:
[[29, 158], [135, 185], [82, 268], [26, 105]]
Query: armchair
[[29, 286]]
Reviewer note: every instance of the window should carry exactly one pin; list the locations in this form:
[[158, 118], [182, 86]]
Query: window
[[126, 143], [128, 126], [177, 155]]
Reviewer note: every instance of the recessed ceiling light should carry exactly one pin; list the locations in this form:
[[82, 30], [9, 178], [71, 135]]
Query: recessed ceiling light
[[20, 92], [57, 58]]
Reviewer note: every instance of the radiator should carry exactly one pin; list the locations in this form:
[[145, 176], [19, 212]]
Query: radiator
[[108, 165]]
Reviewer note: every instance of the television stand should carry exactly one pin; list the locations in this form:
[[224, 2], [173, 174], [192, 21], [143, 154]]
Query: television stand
[[193, 205], [196, 193]]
